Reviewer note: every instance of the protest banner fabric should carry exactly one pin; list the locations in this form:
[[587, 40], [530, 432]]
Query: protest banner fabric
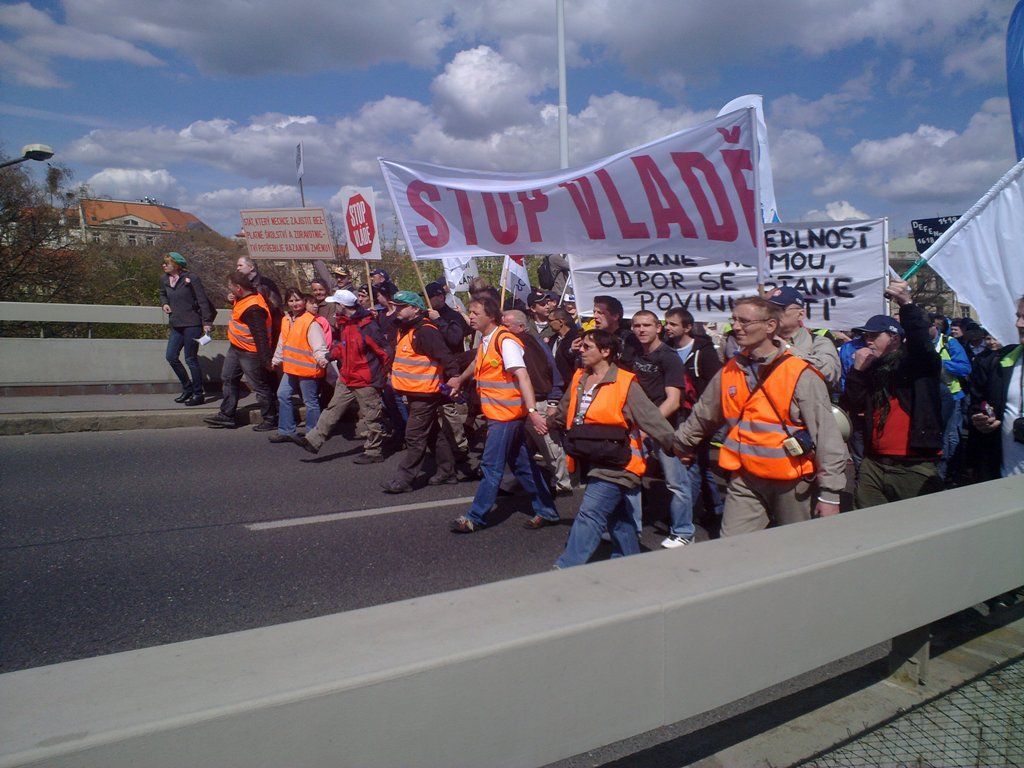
[[458, 271], [769, 208], [693, 192], [515, 278], [287, 233], [981, 256], [840, 267], [361, 224]]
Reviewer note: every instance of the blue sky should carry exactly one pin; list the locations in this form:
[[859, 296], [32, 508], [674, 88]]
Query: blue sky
[[891, 108]]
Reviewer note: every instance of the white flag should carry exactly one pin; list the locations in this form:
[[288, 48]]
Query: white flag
[[299, 170], [458, 271], [515, 278], [982, 255], [769, 208]]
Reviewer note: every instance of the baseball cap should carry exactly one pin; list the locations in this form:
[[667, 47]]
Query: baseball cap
[[881, 324], [343, 297], [380, 272], [410, 298], [536, 296], [785, 295], [435, 288]]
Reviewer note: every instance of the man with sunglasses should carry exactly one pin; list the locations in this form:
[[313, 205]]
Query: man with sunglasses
[[783, 445]]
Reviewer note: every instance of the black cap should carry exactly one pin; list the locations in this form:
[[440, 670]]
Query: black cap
[[786, 295], [881, 324], [536, 296], [435, 288]]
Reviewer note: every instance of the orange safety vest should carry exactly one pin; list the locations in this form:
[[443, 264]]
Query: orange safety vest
[[606, 408], [238, 332], [500, 398], [413, 372], [755, 437], [296, 354]]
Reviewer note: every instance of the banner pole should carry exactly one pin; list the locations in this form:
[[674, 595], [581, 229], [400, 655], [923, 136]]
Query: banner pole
[[419, 275], [369, 284]]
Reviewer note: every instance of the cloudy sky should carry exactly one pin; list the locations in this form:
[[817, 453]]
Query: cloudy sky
[[880, 108]]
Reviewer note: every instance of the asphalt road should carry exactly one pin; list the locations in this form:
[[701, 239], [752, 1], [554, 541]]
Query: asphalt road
[[120, 540]]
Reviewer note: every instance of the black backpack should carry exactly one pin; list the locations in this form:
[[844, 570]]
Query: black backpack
[[545, 274], [538, 366]]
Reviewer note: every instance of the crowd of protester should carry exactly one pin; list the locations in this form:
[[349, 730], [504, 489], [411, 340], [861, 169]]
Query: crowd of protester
[[747, 425]]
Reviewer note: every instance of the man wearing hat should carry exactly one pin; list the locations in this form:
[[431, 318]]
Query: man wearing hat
[[540, 304], [362, 354], [817, 349], [422, 363], [342, 278], [455, 330], [895, 382]]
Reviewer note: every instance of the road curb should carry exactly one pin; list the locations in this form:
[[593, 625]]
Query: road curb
[[109, 421]]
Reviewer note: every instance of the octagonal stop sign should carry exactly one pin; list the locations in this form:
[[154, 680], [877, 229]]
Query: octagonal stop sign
[[359, 220]]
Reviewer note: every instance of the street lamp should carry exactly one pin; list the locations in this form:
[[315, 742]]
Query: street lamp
[[31, 152]]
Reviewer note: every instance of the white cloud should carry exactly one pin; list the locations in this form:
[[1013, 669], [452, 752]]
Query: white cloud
[[135, 183], [983, 61], [839, 210], [793, 111], [798, 155], [40, 40], [480, 91]]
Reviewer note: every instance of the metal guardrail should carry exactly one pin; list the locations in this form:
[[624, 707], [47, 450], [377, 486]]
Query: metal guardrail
[[38, 312], [532, 670]]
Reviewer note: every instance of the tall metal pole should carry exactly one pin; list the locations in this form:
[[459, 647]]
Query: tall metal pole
[[563, 108]]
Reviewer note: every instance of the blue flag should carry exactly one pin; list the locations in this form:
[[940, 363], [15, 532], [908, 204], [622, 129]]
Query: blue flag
[[1015, 74]]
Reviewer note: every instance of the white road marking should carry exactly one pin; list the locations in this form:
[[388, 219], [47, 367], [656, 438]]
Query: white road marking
[[314, 519]]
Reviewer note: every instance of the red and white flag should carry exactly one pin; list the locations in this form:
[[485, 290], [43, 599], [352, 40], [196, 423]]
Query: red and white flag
[[515, 278]]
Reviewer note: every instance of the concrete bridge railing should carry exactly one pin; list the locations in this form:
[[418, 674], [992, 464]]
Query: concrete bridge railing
[[527, 671], [44, 365]]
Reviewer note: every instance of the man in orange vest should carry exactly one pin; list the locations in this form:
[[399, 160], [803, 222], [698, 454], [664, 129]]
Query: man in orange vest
[[781, 434], [249, 353], [507, 401], [421, 364]]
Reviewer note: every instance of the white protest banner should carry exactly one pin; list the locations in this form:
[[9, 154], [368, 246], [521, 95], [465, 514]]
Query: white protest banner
[[361, 224], [458, 271], [287, 233], [840, 267], [515, 279], [693, 192], [769, 208], [982, 255]]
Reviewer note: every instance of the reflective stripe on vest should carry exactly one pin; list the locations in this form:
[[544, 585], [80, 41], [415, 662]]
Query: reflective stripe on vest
[[296, 354], [755, 438], [238, 332], [948, 378], [411, 371], [500, 398], [606, 408]]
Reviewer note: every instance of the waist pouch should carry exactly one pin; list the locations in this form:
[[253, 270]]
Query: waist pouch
[[600, 445]]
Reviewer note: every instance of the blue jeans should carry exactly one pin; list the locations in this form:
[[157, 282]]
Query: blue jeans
[[397, 413], [186, 338], [951, 435], [605, 507], [310, 389], [679, 482], [505, 446], [704, 484]]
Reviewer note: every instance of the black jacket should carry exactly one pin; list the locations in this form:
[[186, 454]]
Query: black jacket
[[916, 387], [454, 328], [190, 306], [565, 358], [989, 383], [703, 363]]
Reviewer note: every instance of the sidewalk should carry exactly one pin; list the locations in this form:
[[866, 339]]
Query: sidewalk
[[98, 413]]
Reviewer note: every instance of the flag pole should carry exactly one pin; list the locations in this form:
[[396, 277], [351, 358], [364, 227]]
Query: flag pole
[[419, 275], [504, 269], [369, 283]]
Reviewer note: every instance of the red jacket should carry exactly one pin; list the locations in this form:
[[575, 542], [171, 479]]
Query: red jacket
[[361, 350]]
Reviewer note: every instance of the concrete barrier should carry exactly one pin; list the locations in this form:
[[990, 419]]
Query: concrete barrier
[[528, 671]]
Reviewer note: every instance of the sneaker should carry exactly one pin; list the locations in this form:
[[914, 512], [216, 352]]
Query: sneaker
[[281, 438], [368, 458], [396, 488], [605, 536], [265, 426], [462, 525], [305, 445], [443, 480], [674, 542], [219, 420]]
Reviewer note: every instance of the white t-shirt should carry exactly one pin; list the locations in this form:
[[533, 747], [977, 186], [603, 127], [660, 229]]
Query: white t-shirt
[[685, 352], [1013, 452], [511, 352]]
